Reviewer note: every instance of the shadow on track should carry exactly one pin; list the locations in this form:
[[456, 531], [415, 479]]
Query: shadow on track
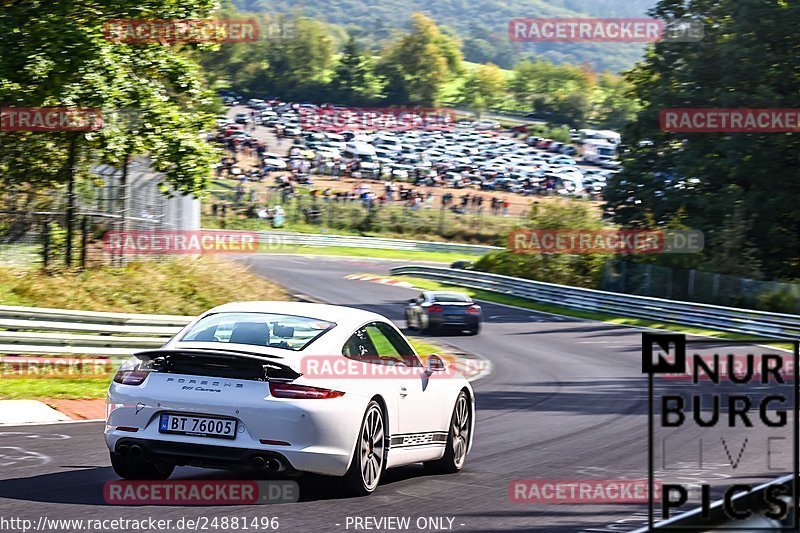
[[600, 396], [85, 486]]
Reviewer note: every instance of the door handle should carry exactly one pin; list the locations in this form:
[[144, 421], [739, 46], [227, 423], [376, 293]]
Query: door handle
[[403, 392]]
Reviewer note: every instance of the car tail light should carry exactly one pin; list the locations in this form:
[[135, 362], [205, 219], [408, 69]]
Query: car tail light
[[473, 310], [131, 377], [435, 308], [304, 392], [274, 442]]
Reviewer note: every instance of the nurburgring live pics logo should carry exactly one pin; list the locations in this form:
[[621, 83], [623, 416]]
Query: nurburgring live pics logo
[[757, 419], [740, 368]]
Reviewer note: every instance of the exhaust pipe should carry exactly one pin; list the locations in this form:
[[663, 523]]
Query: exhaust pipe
[[270, 464], [258, 463], [123, 449], [276, 465], [137, 450]]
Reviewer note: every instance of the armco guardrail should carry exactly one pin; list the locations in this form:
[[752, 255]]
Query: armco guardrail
[[718, 520], [38, 330], [276, 239], [96, 317], [760, 323]]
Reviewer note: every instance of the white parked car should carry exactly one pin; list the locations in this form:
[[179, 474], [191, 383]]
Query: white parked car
[[235, 388], [275, 161], [561, 159]]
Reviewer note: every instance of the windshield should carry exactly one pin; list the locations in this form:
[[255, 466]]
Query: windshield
[[451, 297], [258, 329]]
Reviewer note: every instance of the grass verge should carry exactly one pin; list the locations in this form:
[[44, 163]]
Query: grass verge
[[424, 348], [54, 388], [410, 255], [181, 286]]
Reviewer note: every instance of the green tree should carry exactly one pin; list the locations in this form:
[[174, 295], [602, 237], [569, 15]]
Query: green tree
[[613, 105], [293, 62], [58, 55], [483, 87], [422, 61], [583, 270], [353, 80], [747, 58], [545, 81]]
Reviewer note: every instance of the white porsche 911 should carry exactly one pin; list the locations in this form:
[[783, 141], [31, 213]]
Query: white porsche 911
[[234, 388]]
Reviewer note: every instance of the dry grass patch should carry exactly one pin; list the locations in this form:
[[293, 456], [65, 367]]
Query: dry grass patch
[[180, 286]]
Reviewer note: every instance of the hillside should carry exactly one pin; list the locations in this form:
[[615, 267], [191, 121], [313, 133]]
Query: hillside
[[481, 24]]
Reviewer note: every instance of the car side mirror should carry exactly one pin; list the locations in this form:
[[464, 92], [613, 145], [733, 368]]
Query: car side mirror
[[435, 364]]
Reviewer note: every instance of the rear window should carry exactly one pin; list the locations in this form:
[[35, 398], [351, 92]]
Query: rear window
[[288, 332], [451, 297]]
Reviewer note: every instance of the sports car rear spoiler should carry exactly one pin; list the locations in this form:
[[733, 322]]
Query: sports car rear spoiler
[[216, 363]]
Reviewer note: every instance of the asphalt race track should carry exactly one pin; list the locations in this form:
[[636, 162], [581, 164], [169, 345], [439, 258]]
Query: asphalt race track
[[566, 400]]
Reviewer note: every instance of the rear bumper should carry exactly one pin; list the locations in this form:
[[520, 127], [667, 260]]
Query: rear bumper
[[202, 455], [320, 435], [467, 321], [328, 458]]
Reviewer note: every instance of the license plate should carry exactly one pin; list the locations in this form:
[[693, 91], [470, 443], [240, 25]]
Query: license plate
[[198, 426]]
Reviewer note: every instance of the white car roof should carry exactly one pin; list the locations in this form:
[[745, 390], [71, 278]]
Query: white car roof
[[344, 316], [347, 320]]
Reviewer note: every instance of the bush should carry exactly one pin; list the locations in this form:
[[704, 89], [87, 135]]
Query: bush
[[778, 301], [584, 270], [574, 270]]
